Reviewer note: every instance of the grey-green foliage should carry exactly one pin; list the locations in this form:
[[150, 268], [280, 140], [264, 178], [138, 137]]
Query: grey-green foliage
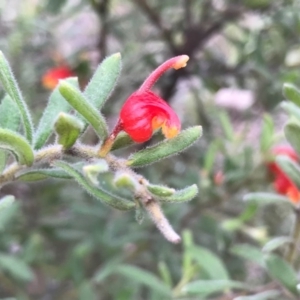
[[11, 87], [56, 104]]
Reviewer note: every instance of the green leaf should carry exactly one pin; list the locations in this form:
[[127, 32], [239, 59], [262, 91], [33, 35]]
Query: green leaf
[[166, 148], [9, 114], [84, 107], [160, 190], [209, 262], [262, 199], [56, 105], [5, 203], [123, 140], [107, 269], [291, 108], [281, 271], [210, 155], [276, 243], [18, 145], [68, 129], [165, 273], [226, 125], [179, 196], [208, 287], [103, 81], [290, 168], [16, 267], [104, 196], [145, 278], [41, 174], [267, 134], [248, 252], [291, 93], [267, 295], [9, 119], [11, 87], [292, 131]]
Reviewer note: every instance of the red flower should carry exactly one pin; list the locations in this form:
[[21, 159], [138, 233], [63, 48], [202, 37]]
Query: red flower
[[51, 77], [144, 111], [282, 184]]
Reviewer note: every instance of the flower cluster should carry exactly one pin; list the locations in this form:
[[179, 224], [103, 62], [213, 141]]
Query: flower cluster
[[51, 78], [282, 183]]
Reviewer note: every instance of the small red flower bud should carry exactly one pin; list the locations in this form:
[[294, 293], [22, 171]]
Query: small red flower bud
[[282, 183], [51, 78]]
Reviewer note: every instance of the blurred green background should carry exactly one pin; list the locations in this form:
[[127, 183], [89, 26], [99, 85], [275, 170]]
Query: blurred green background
[[59, 243]]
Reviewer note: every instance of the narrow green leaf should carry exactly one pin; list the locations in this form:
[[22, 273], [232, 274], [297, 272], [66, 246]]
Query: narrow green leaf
[[104, 196], [276, 243], [103, 81], [123, 140], [291, 108], [84, 107], [11, 87], [160, 190], [267, 295], [6, 202], [41, 174], [208, 287], [179, 196], [108, 268], [226, 125], [9, 119], [209, 262], [68, 129], [281, 271], [267, 134], [210, 155], [56, 104], [248, 252], [16, 267], [9, 114], [292, 131], [165, 273], [166, 148], [145, 278], [262, 199], [291, 93], [290, 168], [18, 145]]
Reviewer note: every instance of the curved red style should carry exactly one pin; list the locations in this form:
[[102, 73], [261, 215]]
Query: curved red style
[[282, 184], [52, 76]]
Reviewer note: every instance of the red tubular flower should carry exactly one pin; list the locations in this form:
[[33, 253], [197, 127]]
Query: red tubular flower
[[282, 183], [51, 78], [144, 111]]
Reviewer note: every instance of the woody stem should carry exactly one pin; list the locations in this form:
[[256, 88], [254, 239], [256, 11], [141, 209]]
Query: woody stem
[[108, 143]]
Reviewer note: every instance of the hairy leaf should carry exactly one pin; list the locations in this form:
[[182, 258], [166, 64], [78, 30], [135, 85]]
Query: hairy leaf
[[18, 145], [84, 108], [291, 93], [183, 195], [103, 81], [166, 148], [11, 87], [56, 104], [68, 129], [98, 193]]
